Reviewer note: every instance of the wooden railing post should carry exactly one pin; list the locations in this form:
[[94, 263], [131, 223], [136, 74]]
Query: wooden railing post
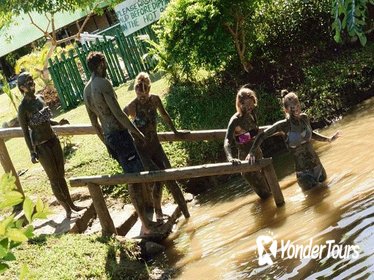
[[106, 221], [272, 180], [7, 164]]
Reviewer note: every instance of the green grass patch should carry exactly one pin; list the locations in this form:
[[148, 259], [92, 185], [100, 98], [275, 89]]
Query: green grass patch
[[86, 154], [77, 257]]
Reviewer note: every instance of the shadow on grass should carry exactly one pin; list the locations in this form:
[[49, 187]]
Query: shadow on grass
[[122, 261], [68, 148]]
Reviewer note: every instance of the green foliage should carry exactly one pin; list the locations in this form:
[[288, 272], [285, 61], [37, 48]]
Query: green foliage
[[332, 87], [9, 9], [195, 34], [214, 35], [34, 63], [13, 98], [282, 47], [12, 231], [352, 16], [210, 104]]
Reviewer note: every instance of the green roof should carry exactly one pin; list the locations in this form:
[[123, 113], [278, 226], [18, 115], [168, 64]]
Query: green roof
[[22, 32]]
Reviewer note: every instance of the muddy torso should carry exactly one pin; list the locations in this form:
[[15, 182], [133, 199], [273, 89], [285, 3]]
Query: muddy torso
[[298, 134], [36, 115], [95, 94], [241, 132], [145, 119]]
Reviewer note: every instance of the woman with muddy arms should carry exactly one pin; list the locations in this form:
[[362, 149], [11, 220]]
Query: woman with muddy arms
[[241, 132], [35, 120], [143, 110], [298, 133]]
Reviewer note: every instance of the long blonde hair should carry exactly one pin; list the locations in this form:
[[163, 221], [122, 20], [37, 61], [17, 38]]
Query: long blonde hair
[[242, 94], [143, 82]]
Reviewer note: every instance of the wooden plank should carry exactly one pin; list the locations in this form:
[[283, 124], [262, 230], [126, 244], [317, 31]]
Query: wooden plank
[[171, 174], [81, 224], [7, 164], [197, 135], [128, 224], [272, 180], [106, 221]]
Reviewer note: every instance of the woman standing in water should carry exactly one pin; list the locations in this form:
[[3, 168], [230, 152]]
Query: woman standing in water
[[143, 110], [241, 132], [298, 131], [35, 120]]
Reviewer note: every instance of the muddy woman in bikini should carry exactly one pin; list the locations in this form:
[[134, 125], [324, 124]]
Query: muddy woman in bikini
[[143, 110], [241, 132], [296, 127], [35, 120]]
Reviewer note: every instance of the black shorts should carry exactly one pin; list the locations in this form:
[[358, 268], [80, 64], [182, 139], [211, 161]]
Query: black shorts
[[121, 147]]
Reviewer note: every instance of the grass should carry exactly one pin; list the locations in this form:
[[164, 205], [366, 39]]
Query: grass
[[85, 156], [82, 256]]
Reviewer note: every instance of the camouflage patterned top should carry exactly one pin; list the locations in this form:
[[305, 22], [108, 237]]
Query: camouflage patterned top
[[145, 117], [35, 115], [298, 134]]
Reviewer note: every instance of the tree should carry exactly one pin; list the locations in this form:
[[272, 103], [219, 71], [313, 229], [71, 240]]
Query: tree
[[200, 33], [10, 9], [214, 34], [352, 16]]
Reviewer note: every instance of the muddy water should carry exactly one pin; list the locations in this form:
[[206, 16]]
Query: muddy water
[[219, 241]]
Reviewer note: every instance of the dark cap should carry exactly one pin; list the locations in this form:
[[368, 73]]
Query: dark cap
[[22, 78]]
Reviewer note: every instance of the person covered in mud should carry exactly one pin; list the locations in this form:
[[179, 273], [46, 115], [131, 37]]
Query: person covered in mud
[[143, 110], [241, 132], [113, 129], [35, 120], [298, 135]]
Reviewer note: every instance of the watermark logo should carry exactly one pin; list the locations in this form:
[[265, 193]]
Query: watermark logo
[[268, 247], [265, 251]]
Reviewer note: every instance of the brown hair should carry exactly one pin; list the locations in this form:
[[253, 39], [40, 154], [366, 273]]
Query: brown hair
[[94, 59], [242, 94], [143, 82], [22, 78], [288, 98]]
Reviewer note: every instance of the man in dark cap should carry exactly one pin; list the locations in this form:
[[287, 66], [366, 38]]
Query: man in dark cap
[[35, 120]]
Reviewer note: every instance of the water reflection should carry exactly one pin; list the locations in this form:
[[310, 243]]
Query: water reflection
[[219, 241]]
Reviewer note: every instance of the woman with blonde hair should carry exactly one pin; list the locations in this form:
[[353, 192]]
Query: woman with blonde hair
[[241, 132], [299, 133], [143, 110]]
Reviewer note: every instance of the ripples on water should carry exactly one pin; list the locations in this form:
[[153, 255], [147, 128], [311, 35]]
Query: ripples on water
[[219, 241]]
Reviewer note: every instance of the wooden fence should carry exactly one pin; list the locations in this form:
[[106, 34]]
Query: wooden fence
[[124, 56], [93, 182], [7, 133]]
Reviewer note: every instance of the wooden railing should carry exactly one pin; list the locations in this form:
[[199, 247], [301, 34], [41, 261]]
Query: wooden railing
[[94, 182], [7, 133]]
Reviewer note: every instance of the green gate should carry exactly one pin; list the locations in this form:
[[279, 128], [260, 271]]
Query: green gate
[[124, 56]]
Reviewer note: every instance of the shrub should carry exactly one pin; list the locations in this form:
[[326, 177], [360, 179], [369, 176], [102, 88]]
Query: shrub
[[210, 104], [332, 87], [12, 231]]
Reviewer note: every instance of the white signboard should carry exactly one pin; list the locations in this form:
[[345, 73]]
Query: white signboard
[[136, 14]]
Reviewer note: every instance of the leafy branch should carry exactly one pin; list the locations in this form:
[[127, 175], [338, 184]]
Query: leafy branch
[[13, 231], [352, 16]]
